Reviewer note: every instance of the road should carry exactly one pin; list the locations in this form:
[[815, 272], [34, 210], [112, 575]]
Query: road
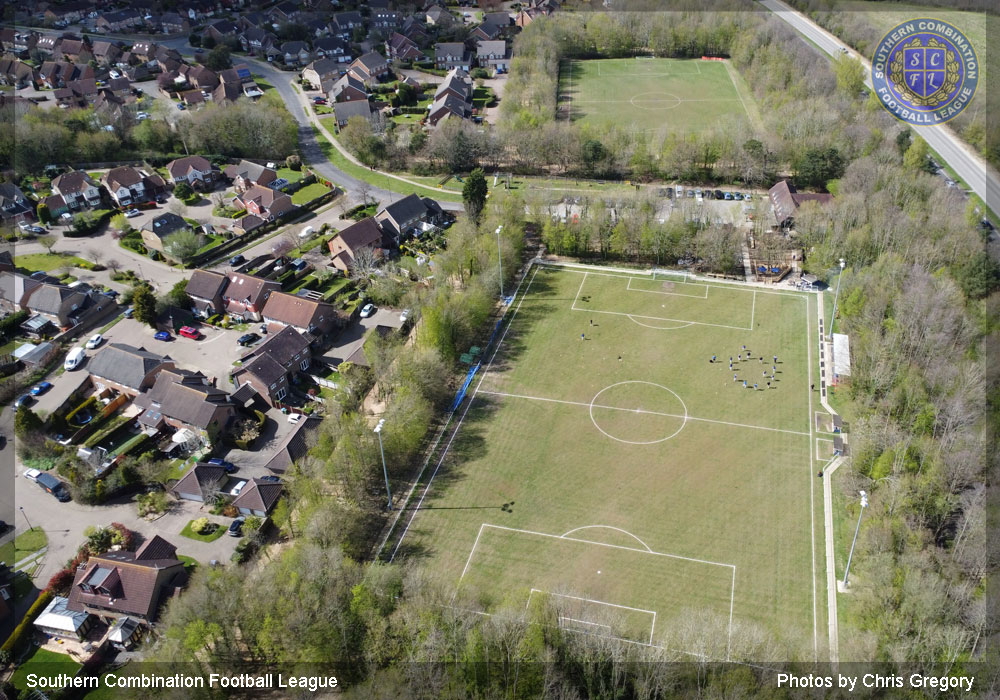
[[971, 168]]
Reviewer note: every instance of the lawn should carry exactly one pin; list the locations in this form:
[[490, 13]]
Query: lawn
[[25, 544], [681, 507], [338, 159], [291, 175], [654, 94], [44, 663], [215, 534], [46, 262], [309, 193]]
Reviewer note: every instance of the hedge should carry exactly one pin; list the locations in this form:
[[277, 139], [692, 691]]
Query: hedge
[[10, 324], [111, 427], [26, 625], [86, 404]]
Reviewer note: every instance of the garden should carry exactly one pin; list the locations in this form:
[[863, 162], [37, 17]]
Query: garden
[[203, 530]]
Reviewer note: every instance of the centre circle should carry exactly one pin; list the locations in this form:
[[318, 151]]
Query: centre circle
[[638, 412], [654, 100]]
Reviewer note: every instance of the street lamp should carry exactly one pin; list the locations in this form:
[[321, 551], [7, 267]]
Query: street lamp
[[500, 260], [378, 431], [23, 515], [836, 296], [864, 504]]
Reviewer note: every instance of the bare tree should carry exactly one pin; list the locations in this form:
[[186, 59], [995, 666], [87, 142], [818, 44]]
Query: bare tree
[[114, 265], [363, 267], [47, 242], [364, 188], [95, 254]]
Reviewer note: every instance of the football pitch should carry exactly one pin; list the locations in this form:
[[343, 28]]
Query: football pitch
[[628, 483], [654, 94]]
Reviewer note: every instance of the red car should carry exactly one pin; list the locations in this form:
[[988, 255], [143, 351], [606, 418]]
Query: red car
[[189, 332]]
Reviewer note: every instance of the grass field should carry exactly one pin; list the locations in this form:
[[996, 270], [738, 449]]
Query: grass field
[[654, 94], [628, 482]]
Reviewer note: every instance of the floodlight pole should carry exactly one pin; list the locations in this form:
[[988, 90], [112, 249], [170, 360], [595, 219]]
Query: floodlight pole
[[25, 516], [500, 260], [378, 431], [836, 296], [864, 503]]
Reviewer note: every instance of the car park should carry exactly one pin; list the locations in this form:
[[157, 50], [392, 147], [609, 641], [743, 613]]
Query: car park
[[189, 332], [228, 466], [74, 358], [236, 527], [248, 339], [161, 335], [367, 310], [94, 341], [40, 388]]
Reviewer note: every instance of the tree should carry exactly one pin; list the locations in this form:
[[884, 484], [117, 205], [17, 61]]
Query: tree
[[194, 40], [816, 166], [95, 254], [182, 245], [407, 94], [219, 58], [44, 213], [47, 242], [119, 222], [591, 154], [850, 75], [474, 193], [178, 296], [293, 162], [183, 191], [917, 156], [26, 422], [978, 276], [144, 305]]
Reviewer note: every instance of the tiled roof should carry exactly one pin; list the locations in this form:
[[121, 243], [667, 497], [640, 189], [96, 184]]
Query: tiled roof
[[258, 495], [124, 364]]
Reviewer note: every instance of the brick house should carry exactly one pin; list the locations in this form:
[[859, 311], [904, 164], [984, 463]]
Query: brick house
[[126, 185], [346, 244], [126, 369], [264, 202], [346, 89], [185, 400], [449, 55], [198, 172], [245, 295], [246, 174], [77, 189], [370, 68], [301, 313], [205, 289], [269, 367]]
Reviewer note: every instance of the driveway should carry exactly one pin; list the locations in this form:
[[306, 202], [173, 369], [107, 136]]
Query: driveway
[[213, 355], [251, 462], [353, 336], [63, 385]]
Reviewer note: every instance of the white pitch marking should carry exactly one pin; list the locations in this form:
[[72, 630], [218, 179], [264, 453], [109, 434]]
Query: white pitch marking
[[608, 527], [674, 294]]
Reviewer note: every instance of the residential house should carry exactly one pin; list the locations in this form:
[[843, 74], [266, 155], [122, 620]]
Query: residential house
[[264, 202], [15, 289], [68, 12], [222, 30], [14, 206], [246, 295], [75, 50], [227, 92], [269, 368], [332, 47], [493, 55], [259, 41], [63, 306], [458, 84], [174, 23], [126, 185], [46, 44], [301, 313], [128, 584], [345, 245], [119, 21], [527, 15], [17, 41], [201, 483], [16, 73], [106, 53], [258, 497], [55, 74], [385, 19], [445, 107], [246, 174], [295, 53], [415, 30], [185, 400], [285, 12], [320, 71], [344, 24], [785, 202], [292, 448], [155, 233], [400, 218], [78, 189], [205, 289], [196, 171], [486, 31], [450, 55], [438, 16], [200, 77], [402, 48], [346, 89], [126, 369], [370, 68], [77, 93], [344, 111]]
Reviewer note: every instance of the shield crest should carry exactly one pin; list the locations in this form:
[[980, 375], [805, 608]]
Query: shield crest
[[925, 74]]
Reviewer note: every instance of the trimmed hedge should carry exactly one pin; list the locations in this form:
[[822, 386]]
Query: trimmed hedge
[[86, 404], [10, 324], [25, 627]]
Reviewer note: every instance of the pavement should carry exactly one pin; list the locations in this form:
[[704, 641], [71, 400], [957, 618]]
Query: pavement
[[971, 168], [354, 335]]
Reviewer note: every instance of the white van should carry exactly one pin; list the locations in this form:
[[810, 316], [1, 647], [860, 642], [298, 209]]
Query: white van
[[74, 358], [306, 233]]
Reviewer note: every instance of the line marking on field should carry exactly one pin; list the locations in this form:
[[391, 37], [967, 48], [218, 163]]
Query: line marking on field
[[674, 294], [608, 527], [753, 306], [652, 627], [662, 328], [655, 413], [818, 455], [563, 618], [812, 495]]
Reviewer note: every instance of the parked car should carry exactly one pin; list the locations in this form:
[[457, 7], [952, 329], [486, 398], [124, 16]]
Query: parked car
[[248, 339], [111, 293], [404, 316], [52, 485], [236, 260], [31, 474], [132, 213], [718, 194], [228, 466], [263, 329], [294, 418], [271, 478], [74, 358], [180, 106], [129, 312], [29, 228], [235, 491], [189, 332], [161, 335], [670, 193], [94, 341], [236, 527], [367, 310], [41, 388], [24, 400]]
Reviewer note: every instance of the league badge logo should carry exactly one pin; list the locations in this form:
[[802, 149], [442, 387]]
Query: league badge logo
[[925, 71]]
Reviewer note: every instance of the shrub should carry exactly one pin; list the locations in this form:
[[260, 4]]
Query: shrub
[[26, 628], [61, 581], [200, 525], [123, 536]]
